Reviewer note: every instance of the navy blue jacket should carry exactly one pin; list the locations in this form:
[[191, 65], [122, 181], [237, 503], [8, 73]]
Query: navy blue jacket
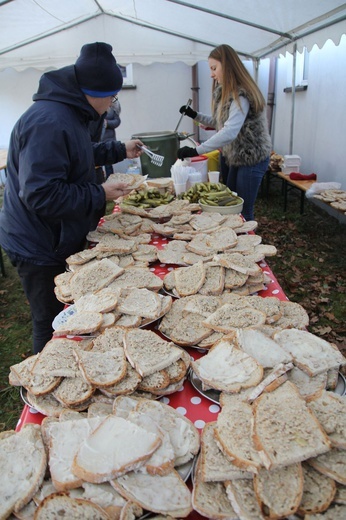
[[51, 199]]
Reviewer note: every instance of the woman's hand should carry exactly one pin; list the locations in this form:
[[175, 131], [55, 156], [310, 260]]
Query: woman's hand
[[114, 190], [132, 150]]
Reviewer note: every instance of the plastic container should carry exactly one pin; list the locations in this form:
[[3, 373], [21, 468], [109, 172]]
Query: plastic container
[[200, 163], [193, 178], [214, 176], [213, 160], [162, 143]]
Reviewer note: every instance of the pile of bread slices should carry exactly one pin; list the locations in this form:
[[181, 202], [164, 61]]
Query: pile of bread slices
[[112, 463]]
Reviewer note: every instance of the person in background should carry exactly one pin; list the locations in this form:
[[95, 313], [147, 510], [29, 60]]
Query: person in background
[[51, 198], [239, 117], [110, 123]]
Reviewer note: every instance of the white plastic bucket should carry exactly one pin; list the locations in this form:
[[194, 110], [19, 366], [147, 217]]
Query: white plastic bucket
[[200, 163]]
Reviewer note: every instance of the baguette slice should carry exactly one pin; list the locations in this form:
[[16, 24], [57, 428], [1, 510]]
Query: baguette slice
[[57, 504], [23, 464], [227, 368], [167, 494], [279, 491], [116, 447], [285, 410], [147, 352]]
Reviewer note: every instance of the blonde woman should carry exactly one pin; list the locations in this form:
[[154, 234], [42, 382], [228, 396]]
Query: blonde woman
[[239, 116]]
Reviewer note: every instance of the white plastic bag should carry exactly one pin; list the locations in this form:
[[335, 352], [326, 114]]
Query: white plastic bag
[[318, 187]]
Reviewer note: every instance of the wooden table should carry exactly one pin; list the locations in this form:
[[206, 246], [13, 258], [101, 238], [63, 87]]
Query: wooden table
[[288, 185]]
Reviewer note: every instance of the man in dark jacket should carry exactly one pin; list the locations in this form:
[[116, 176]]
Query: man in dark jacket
[[51, 199]]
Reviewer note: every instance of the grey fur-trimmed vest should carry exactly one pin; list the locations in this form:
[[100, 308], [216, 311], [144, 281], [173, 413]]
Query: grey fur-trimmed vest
[[252, 144]]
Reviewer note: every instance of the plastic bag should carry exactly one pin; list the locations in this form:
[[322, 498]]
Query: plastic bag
[[318, 187]]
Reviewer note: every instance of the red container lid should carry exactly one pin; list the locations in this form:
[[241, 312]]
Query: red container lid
[[199, 158]]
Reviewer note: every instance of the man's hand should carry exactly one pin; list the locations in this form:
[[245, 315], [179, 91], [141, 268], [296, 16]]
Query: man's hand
[[114, 190], [187, 151], [132, 150]]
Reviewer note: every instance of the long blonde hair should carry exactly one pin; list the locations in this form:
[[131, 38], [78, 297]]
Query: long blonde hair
[[234, 77]]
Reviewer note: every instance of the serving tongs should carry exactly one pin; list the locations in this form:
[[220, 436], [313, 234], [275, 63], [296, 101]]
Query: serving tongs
[[189, 101], [154, 157]]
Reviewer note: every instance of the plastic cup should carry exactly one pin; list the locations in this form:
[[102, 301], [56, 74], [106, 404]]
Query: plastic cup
[[213, 176], [180, 188]]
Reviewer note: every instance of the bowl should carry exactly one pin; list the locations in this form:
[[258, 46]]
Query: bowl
[[223, 210]]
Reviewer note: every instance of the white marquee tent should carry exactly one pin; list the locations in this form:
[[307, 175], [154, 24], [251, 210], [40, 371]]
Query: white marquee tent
[[49, 33], [162, 39]]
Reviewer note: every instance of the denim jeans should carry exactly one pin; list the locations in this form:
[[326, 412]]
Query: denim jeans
[[38, 284], [246, 180]]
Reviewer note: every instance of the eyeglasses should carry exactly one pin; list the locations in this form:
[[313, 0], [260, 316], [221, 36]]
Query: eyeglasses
[[114, 99]]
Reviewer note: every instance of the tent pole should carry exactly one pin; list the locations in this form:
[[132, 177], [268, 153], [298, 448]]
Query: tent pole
[[195, 94], [294, 67]]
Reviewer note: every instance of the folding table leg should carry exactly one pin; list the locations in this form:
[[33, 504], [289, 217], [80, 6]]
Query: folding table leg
[[285, 188], [302, 199]]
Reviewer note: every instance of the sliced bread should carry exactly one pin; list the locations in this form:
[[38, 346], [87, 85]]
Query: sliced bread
[[23, 463], [102, 369], [83, 322], [243, 498], [309, 352], [332, 464], [92, 278], [99, 458], [227, 368], [147, 352], [213, 465], [74, 508], [279, 491], [189, 280], [229, 316], [330, 410], [285, 410], [167, 494], [234, 438], [318, 492]]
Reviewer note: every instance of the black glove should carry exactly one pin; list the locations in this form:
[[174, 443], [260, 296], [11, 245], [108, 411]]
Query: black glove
[[188, 111], [187, 151]]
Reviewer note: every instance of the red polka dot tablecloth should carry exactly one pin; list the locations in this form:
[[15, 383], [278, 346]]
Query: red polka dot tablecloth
[[188, 401]]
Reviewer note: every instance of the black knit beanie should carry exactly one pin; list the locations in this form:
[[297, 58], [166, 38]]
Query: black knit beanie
[[97, 72]]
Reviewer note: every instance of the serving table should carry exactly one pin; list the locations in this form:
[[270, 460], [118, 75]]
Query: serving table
[[188, 401]]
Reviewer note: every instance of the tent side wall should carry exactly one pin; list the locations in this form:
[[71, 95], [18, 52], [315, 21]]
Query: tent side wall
[[320, 111]]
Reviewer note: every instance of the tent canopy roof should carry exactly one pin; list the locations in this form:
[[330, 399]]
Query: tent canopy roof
[[49, 33]]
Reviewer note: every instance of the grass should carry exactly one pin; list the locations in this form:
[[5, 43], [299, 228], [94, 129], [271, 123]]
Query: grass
[[309, 266]]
